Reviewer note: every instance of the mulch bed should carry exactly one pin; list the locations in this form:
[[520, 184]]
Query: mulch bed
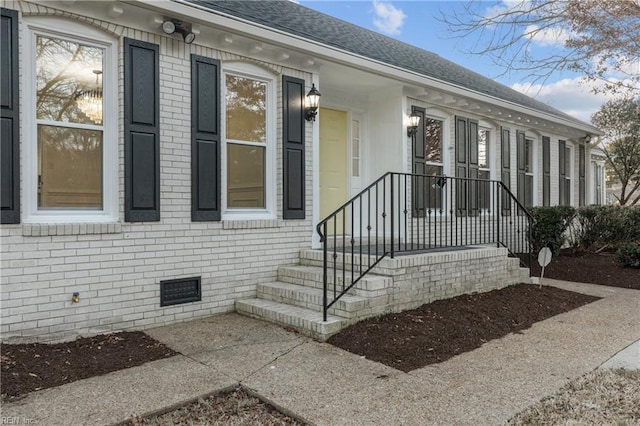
[[233, 408], [440, 330], [31, 367], [592, 268]]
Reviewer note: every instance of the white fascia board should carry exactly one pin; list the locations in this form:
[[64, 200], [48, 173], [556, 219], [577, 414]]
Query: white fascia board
[[254, 30]]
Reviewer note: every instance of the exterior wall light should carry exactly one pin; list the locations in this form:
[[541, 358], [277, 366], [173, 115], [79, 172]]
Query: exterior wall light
[[587, 139], [414, 122], [171, 26], [313, 101]]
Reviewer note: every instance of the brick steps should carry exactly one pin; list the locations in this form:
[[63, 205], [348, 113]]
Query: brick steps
[[348, 306], [371, 285], [308, 321], [295, 299]]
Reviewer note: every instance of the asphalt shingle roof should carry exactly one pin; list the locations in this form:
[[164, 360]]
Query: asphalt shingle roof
[[301, 21]]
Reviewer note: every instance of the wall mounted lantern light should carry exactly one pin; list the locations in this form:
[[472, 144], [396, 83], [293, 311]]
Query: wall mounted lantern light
[[587, 139], [313, 101], [414, 122], [173, 26]]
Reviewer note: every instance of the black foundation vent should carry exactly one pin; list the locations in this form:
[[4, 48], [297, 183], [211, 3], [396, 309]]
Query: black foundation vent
[[182, 290]]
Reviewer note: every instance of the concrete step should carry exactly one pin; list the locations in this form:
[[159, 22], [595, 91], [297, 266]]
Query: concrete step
[[348, 306], [306, 321], [370, 285]]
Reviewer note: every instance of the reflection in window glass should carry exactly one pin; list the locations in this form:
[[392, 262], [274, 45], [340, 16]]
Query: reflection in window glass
[[483, 149], [433, 139], [69, 168], [69, 81], [246, 109], [528, 152], [70, 157], [245, 176]]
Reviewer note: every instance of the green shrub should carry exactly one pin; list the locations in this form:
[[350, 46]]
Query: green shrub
[[598, 227], [550, 224], [629, 255], [632, 222]]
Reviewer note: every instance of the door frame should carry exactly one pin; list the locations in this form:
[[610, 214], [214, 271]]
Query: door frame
[[351, 114]]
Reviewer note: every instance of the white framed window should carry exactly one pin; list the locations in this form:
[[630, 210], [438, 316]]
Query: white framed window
[[569, 151], [484, 168], [529, 168], [597, 188], [249, 146], [71, 127]]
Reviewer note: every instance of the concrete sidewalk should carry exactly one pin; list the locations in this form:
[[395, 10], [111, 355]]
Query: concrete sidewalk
[[325, 385]]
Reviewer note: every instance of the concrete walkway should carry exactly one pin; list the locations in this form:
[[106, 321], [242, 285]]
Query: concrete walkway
[[328, 386]]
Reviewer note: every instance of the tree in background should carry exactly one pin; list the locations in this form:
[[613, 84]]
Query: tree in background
[[597, 38], [620, 120]]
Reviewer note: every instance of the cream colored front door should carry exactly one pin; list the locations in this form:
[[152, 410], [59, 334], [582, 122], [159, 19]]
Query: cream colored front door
[[333, 163]]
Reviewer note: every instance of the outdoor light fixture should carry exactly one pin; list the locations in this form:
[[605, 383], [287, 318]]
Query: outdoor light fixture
[[170, 27], [587, 139], [414, 121], [313, 101]]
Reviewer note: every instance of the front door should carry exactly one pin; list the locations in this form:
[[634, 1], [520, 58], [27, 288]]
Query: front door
[[333, 163]]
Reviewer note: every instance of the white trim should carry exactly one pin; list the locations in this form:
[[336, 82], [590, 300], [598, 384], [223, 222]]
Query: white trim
[[260, 74], [315, 174], [72, 31]]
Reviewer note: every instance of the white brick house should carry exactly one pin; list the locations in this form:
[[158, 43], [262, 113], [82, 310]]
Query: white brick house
[[198, 163]]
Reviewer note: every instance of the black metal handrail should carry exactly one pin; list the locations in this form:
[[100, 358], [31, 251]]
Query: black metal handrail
[[402, 213]]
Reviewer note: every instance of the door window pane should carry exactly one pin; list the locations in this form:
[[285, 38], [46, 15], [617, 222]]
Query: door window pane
[[246, 101], [245, 176], [69, 168], [355, 148], [69, 81]]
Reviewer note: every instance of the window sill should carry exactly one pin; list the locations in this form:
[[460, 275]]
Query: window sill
[[251, 224], [46, 229]]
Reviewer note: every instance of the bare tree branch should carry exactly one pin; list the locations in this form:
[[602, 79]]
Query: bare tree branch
[[597, 38]]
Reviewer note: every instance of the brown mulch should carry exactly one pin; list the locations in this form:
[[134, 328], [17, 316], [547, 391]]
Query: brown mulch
[[592, 268], [31, 367], [234, 408], [440, 330]]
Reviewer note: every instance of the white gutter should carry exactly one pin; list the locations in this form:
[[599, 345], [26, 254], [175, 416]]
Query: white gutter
[[254, 30]]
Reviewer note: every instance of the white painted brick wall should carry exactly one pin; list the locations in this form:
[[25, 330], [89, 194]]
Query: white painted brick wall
[[117, 267]]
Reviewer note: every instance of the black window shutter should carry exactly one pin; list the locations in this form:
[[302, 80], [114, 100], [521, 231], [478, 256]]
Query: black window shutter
[[581, 175], [461, 164], [419, 166], [142, 131], [563, 197], [293, 130], [472, 134], [546, 171], [9, 119], [505, 174], [521, 166], [205, 139]]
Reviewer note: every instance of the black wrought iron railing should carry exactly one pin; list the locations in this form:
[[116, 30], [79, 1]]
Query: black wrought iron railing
[[403, 213]]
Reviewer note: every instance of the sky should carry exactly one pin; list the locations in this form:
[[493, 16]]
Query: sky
[[418, 23]]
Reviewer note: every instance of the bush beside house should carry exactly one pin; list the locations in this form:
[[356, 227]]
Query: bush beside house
[[590, 228]]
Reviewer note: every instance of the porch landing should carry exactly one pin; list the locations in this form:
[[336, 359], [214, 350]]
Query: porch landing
[[405, 282]]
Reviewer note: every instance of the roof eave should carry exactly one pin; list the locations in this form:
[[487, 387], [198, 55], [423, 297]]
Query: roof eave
[[252, 29]]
